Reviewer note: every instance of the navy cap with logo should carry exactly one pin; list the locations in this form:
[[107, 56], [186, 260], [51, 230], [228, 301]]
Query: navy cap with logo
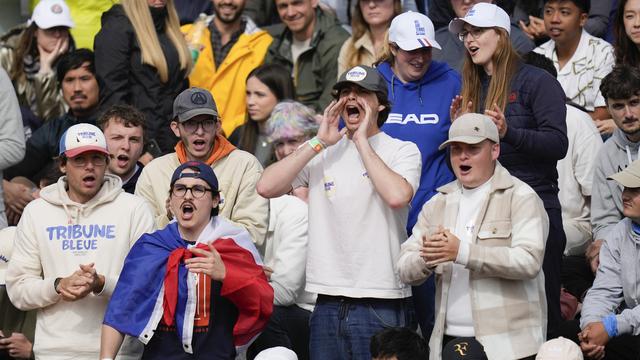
[[200, 171], [193, 102], [466, 348], [365, 77]]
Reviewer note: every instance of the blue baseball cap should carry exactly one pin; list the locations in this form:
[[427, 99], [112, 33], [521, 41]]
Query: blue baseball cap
[[201, 171]]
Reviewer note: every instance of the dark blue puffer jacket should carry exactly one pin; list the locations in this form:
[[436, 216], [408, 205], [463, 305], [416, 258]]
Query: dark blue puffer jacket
[[536, 135]]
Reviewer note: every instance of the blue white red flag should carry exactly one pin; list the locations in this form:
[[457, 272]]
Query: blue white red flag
[[149, 288]]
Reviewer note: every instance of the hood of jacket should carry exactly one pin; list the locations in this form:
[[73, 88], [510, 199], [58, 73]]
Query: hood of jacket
[[630, 149], [436, 70], [56, 194], [398, 88]]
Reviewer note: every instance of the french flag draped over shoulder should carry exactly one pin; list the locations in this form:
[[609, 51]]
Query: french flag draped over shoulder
[[138, 301]]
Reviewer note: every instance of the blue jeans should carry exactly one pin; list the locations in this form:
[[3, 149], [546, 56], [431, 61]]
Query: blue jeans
[[341, 327]]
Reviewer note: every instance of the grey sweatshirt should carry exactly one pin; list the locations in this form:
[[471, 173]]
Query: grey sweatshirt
[[616, 281], [606, 197], [12, 144]]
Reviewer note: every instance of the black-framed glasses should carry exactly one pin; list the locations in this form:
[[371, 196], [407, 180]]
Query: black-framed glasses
[[475, 33], [192, 126], [197, 191]]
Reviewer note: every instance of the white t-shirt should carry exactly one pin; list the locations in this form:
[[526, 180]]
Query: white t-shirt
[[298, 47], [582, 74], [354, 236], [459, 320]]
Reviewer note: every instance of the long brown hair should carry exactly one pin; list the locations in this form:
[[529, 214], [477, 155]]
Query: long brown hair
[[359, 27], [138, 13], [626, 50], [278, 80], [26, 45], [505, 62]]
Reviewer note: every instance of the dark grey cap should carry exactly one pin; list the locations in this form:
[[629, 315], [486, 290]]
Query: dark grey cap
[[364, 76], [193, 102]]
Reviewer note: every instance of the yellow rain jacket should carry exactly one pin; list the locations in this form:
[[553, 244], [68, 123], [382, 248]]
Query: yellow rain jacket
[[227, 83]]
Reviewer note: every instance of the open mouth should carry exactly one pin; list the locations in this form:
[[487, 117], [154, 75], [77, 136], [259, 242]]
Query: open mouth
[[465, 168], [122, 160], [352, 112], [473, 50], [199, 144], [89, 181]]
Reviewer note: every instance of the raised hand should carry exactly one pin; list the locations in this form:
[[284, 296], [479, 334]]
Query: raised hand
[[208, 262], [498, 118], [456, 110], [48, 58], [328, 131]]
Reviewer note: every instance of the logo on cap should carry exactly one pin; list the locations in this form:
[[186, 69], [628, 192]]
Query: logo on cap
[[420, 30], [86, 135], [356, 74], [198, 98], [471, 12], [56, 9], [461, 348], [477, 129]]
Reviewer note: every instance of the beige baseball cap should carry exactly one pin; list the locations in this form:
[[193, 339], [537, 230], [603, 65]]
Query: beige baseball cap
[[472, 128], [629, 177]]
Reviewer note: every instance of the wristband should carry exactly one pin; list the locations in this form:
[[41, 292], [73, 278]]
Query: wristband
[[55, 284], [611, 325], [316, 144]]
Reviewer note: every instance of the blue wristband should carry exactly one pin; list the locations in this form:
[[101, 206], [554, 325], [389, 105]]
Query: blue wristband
[[611, 325]]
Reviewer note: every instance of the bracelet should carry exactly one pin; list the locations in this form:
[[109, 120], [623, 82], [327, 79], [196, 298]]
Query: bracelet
[[316, 144], [611, 325], [55, 284]]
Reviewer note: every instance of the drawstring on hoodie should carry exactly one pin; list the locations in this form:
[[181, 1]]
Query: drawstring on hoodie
[[629, 154], [393, 94]]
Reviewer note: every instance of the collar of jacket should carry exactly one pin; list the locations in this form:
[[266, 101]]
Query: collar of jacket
[[323, 22], [501, 180]]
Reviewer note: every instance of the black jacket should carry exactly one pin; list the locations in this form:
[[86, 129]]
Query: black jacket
[[43, 146], [128, 81]]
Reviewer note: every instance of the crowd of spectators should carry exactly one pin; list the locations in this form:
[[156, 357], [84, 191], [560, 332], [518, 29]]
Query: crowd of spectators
[[318, 179]]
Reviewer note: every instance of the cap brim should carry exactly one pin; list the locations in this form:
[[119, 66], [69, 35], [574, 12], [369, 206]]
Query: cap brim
[[82, 149], [456, 25], [340, 84], [50, 24], [626, 179], [410, 45], [188, 115], [463, 139]]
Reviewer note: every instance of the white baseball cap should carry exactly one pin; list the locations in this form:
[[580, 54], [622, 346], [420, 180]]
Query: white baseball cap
[[81, 138], [277, 353], [482, 15], [559, 349], [51, 13], [412, 30], [6, 248]]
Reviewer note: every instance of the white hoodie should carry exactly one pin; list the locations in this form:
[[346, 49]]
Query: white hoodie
[[55, 235]]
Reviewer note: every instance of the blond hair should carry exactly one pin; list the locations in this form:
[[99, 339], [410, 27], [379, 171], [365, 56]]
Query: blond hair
[[359, 28], [505, 61], [138, 13]]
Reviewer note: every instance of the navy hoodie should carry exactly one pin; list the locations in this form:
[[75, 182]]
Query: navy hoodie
[[420, 114]]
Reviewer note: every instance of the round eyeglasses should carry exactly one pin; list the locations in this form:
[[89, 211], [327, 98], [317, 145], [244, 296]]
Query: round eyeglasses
[[197, 191]]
